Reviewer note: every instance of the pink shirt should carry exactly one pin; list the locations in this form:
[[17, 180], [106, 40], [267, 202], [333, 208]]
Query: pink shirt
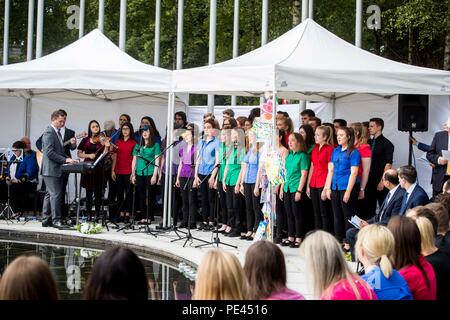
[[416, 282], [342, 290], [286, 294]]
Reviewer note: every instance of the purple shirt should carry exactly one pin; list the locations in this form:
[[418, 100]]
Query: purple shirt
[[286, 294], [187, 159]]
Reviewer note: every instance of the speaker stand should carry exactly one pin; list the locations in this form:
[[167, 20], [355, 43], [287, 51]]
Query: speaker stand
[[410, 148]]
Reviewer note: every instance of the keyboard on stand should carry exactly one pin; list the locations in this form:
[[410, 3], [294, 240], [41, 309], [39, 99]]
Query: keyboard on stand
[[81, 167]]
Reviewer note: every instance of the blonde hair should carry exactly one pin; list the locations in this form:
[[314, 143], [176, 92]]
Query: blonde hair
[[220, 276], [426, 234], [325, 260], [361, 132], [327, 132], [378, 244], [28, 278]]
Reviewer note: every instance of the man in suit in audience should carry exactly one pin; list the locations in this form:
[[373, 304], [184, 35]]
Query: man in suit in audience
[[391, 206], [53, 158], [441, 168], [414, 194]]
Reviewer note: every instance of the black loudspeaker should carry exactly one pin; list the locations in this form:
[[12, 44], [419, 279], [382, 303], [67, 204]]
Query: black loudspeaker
[[412, 112]]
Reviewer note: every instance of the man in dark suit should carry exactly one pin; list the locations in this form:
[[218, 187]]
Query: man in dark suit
[[414, 194], [53, 158], [441, 169], [391, 206]]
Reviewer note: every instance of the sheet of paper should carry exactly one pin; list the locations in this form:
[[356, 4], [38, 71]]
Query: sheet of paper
[[446, 154]]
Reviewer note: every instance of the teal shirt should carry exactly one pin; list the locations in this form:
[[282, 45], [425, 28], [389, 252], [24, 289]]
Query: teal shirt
[[295, 162], [234, 161], [148, 153]]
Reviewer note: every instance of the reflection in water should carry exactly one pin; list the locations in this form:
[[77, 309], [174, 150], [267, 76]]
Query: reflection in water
[[71, 268]]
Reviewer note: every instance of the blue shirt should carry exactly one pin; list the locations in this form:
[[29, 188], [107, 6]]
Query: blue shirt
[[251, 160], [207, 155], [27, 167], [342, 165], [394, 288]]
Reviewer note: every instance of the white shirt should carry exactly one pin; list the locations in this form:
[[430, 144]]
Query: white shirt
[[12, 170], [410, 190], [391, 193], [61, 130]]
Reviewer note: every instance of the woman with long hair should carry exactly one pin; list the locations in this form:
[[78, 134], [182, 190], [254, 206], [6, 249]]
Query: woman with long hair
[[342, 184], [144, 173], [265, 268], [408, 260], [332, 277], [148, 123], [307, 132], [361, 138], [218, 185], [185, 177], [297, 165], [320, 157], [231, 181], [373, 248], [89, 150], [220, 277], [248, 187], [121, 170]]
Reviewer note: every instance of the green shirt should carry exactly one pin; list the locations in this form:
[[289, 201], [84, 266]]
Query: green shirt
[[295, 162], [234, 161], [148, 153], [222, 160]]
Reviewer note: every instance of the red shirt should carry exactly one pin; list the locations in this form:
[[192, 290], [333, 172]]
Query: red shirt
[[124, 156], [366, 152], [416, 282], [320, 159]]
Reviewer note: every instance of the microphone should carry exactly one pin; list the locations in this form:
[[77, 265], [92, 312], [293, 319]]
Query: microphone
[[145, 127]]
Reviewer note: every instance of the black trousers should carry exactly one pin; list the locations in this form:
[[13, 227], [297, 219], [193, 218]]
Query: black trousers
[[234, 217], [253, 207], [207, 196], [323, 214], [124, 193], [281, 218], [351, 236], [94, 196], [343, 211], [295, 221], [143, 187], [112, 195], [223, 203], [189, 200], [18, 195]]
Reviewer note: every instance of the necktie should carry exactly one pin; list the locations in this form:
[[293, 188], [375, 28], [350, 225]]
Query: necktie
[[60, 136], [383, 207], [404, 201]]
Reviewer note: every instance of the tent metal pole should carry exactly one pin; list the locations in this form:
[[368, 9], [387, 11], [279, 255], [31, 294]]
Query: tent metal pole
[[333, 110], [30, 30], [180, 25], [311, 9], [123, 24], [167, 209], [235, 39], [39, 28], [358, 26], [265, 22], [81, 20], [101, 14], [6, 32], [157, 32], [212, 45], [28, 104], [304, 10]]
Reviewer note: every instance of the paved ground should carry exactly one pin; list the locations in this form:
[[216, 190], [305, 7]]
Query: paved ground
[[297, 279]]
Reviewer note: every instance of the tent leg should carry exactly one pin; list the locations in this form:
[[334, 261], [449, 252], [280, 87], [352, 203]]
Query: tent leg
[[28, 104], [168, 160]]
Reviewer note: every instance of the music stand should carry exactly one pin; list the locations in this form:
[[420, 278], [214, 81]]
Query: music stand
[[9, 156]]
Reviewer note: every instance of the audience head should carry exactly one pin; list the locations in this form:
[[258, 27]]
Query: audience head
[[325, 261], [228, 113], [208, 115], [427, 236], [265, 269], [339, 123], [248, 124], [407, 176], [307, 133], [444, 199], [390, 179], [93, 128], [20, 146], [374, 246], [124, 118], [315, 122], [423, 211], [324, 134], [180, 120], [306, 115], [229, 123], [407, 243], [220, 276], [441, 215], [446, 187], [118, 274], [376, 126], [28, 278], [281, 115]]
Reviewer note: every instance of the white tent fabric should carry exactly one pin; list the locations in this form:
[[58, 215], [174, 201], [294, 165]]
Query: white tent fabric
[[311, 63], [93, 67]]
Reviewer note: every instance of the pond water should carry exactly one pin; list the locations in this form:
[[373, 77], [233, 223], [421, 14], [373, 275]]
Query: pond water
[[71, 267]]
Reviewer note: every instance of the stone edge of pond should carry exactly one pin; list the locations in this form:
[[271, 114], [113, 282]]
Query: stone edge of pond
[[92, 243]]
